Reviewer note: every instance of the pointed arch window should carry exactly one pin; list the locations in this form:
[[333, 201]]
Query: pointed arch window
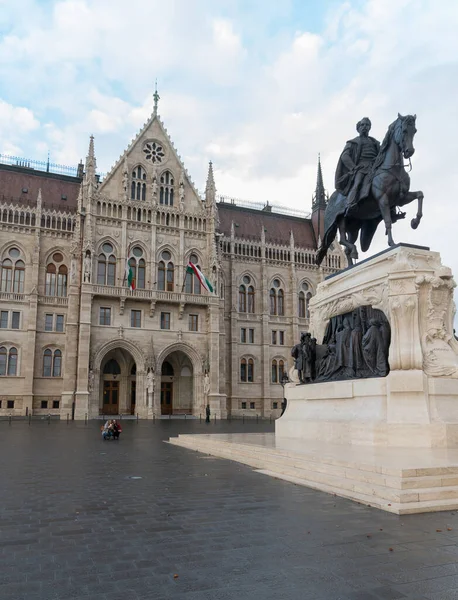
[[246, 295], [250, 299], [166, 190], [247, 370], [138, 265], [243, 369], [106, 265], [277, 299], [273, 301], [305, 296], [281, 302], [52, 363], [166, 272], [19, 276], [13, 272], [242, 299], [138, 184], [56, 276], [278, 371], [274, 377], [192, 283], [7, 275], [8, 361]]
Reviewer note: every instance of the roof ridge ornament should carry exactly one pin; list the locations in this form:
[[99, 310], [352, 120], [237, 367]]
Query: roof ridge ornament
[[156, 98]]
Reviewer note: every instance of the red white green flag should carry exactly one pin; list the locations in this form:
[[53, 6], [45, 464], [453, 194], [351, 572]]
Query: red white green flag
[[192, 268], [130, 277]]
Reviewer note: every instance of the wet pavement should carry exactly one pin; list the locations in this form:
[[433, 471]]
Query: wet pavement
[[139, 518]]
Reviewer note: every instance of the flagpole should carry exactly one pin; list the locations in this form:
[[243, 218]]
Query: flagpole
[[184, 278], [125, 266]]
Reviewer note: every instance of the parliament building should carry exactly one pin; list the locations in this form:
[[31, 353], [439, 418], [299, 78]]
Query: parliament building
[[76, 339]]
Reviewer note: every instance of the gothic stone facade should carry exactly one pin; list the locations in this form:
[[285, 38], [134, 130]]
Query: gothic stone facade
[[75, 340]]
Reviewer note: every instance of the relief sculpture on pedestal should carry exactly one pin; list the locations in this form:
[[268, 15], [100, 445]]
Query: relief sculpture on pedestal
[[355, 346]]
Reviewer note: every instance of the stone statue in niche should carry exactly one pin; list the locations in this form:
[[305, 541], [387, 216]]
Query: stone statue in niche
[[87, 267], [90, 382], [154, 184], [355, 346], [206, 385]]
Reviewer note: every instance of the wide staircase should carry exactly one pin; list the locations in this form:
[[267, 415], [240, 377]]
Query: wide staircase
[[380, 482]]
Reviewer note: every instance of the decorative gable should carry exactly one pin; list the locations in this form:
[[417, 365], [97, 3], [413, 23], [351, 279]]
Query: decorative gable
[[151, 171]]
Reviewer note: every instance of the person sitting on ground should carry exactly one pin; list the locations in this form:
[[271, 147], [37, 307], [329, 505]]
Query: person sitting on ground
[[107, 430], [116, 429]]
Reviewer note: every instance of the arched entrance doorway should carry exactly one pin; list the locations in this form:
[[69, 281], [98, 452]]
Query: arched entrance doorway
[[177, 387], [117, 383]]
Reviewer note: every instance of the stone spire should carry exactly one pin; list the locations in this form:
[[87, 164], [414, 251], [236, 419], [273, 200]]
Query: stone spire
[[91, 163], [210, 189], [291, 240], [319, 198]]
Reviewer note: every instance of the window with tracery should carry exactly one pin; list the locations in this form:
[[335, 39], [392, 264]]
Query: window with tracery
[[247, 370], [166, 272], [276, 299], [138, 184], [246, 295], [52, 363], [305, 296], [8, 361], [13, 272], [278, 371], [106, 265], [154, 152], [138, 265], [192, 283], [56, 276], [166, 190]]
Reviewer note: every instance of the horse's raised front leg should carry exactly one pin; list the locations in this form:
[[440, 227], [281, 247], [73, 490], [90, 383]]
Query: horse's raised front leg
[[384, 205], [410, 197]]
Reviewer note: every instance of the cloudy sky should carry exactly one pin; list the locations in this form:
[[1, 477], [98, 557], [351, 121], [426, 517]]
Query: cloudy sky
[[258, 86]]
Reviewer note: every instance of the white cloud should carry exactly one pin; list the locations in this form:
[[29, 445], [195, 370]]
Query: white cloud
[[260, 100], [16, 123]]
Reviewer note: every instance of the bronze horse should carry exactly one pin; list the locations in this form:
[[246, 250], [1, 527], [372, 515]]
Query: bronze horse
[[389, 189]]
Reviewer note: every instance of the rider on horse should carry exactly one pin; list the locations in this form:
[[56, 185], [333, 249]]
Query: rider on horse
[[355, 165], [371, 185]]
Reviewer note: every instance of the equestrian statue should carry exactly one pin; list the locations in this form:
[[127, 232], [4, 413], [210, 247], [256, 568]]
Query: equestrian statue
[[371, 183]]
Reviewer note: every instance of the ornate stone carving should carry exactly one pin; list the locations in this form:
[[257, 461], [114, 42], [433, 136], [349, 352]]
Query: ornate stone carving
[[437, 340], [355, 345]]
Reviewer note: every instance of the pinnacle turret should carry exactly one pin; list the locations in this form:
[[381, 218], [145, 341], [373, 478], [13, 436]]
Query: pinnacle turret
[[319, 198], [210, 189], [91, 163]]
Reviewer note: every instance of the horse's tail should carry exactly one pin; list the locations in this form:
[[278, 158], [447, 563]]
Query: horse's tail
[[327, 241]]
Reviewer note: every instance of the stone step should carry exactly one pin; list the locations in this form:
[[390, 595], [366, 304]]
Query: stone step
[[372, 501], [351, 471], [362, 483]]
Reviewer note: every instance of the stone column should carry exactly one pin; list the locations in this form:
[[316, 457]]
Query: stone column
[[70, 358], [82, 407]]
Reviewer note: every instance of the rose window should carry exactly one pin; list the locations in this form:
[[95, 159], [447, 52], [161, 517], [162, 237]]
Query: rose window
[[154, 152]]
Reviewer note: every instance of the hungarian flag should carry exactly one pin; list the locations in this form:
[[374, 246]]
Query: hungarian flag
[[192, 268], [130, 277]]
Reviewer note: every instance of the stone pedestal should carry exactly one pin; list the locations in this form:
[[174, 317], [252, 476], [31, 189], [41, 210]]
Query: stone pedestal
[[385, 442], [416, 405]]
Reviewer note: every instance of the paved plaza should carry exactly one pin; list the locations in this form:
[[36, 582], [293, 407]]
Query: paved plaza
[[138, 518]]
